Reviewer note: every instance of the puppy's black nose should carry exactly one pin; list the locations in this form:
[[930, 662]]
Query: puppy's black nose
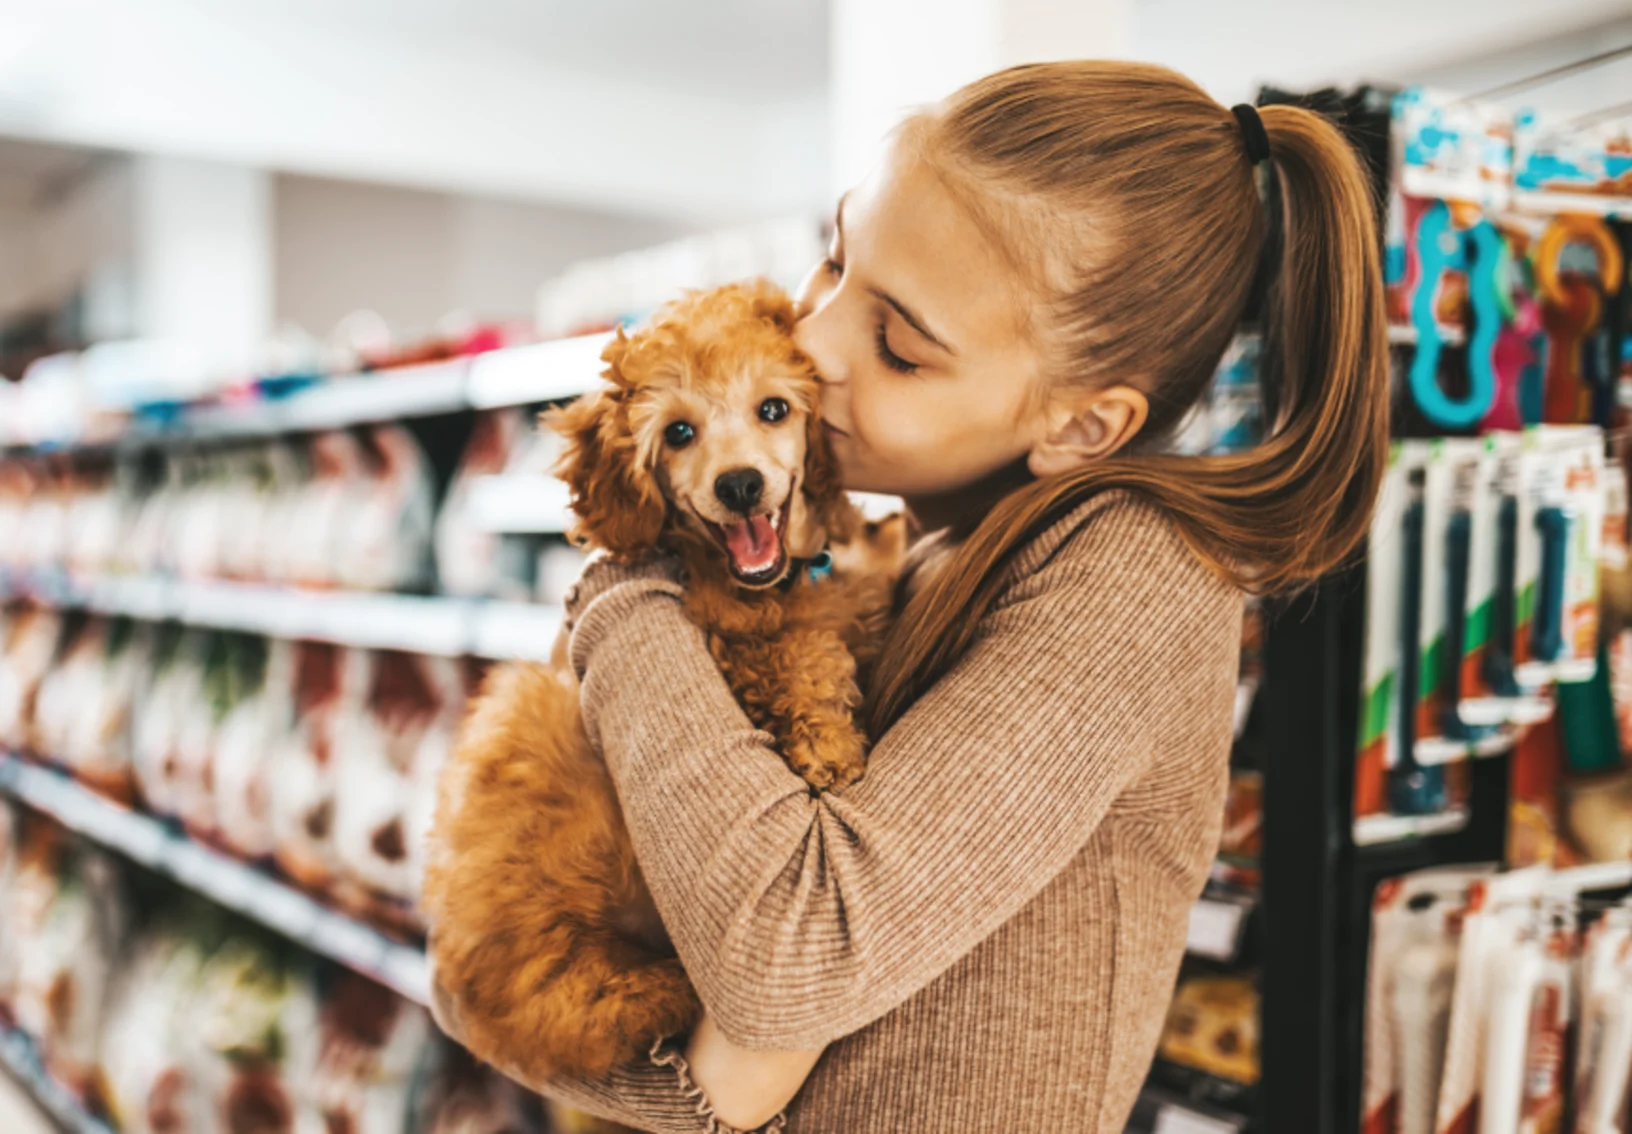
[[740, 489]]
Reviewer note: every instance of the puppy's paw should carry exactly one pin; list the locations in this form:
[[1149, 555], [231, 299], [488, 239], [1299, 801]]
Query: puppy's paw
[[830, 756]]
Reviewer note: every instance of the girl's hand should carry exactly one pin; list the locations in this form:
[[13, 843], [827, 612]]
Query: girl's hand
[[746, 1088]]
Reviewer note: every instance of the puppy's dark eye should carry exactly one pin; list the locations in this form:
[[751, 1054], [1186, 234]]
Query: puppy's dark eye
[[679, 434], [773, 410]]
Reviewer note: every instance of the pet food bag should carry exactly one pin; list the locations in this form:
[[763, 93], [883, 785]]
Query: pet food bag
[[260, 719], [330, 684], [412, 710], [386, 546], [30, 644]]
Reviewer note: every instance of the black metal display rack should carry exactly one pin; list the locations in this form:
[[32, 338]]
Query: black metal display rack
[[1315, 918]]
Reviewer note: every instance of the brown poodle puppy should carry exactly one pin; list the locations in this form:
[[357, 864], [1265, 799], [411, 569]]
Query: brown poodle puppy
[[549, 955]]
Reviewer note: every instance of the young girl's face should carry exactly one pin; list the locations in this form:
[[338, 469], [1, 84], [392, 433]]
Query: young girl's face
[[918, 326]]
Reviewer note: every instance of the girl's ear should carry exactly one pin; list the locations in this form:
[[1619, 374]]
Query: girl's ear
[[617, 502]]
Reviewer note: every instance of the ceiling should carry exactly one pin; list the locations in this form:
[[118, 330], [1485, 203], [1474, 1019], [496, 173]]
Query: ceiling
[[745, 50]]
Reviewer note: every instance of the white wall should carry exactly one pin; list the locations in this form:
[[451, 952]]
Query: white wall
[[49, 246], [415, 255]]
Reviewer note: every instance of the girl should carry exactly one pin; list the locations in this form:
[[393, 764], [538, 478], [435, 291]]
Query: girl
[[1018, 308]]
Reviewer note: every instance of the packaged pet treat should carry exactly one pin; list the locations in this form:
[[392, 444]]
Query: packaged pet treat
[[1490, 691], [175, 687], [85, 705], [234, 674], [1380, 693], [470, 560], [386, 545], [1212, 1026], [1413, 966], [1497, 909], [147, 1083], [66, 967], [1436, 686], [37, 856], [11, 833], [1603, 1040], [329, 504], [372, 1043], [1560, 527], [29, 647], [245, 739], [73, 668], [241, 511], [457, 1095], [93, 522], [411, 712], [280, 484], [153, 489], [1541, 1109], [254, 1045], [1585, 490], [201, 517], [329, 685]]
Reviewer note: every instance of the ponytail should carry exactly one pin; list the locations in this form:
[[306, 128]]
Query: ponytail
[[1269, 519]]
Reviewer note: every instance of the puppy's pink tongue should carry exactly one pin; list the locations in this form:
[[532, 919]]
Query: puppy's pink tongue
[[753, 544]]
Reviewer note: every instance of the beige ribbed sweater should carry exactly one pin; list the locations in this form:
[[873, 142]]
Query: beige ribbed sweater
[[985, 929]]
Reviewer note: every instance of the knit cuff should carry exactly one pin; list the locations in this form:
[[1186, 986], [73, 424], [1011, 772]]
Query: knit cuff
[[667, 1053], [607, 590]]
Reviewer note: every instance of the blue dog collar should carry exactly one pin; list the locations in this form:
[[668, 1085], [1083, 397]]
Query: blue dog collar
[[820, 567]]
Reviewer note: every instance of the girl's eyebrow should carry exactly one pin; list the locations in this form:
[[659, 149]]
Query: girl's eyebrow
[[908, 316]]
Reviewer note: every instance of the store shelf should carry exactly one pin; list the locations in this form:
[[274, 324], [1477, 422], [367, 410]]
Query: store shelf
[[224, 880], [515, 631], [520, 504], [542, 372], [22, 1061], [545, 372], [447, 627], [1372, 830]]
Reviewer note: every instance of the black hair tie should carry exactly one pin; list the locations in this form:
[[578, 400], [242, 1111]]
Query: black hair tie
[[1252, 131]]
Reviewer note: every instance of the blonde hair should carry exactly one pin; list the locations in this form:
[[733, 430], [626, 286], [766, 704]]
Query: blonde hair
[[1147, 179]]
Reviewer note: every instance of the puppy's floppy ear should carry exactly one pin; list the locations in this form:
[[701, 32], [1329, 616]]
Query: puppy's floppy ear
[[617, 502], [824, 495], [772, 304]]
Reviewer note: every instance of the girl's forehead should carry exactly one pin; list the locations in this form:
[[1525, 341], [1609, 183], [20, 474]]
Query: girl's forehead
[[915, 239]]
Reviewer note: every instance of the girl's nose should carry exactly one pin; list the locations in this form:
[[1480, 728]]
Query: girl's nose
[[813, 335]]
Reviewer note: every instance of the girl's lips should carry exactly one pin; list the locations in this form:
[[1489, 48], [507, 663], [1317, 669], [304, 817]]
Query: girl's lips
[[831, 428]]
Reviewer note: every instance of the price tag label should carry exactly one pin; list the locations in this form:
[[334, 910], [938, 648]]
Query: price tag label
[[1180, 1120], [1215, 927]]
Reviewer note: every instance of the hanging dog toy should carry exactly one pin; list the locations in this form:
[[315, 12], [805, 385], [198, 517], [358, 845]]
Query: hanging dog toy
[[1439, 250], [1572, 307]]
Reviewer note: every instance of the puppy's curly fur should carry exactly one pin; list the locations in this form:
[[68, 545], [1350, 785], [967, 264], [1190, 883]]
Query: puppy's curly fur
[[549, 955]]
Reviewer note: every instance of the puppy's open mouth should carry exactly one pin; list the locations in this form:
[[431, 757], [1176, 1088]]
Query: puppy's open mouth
[[755, 546]]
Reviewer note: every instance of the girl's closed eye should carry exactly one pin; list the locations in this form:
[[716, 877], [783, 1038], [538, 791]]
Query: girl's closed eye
[[888, 357]]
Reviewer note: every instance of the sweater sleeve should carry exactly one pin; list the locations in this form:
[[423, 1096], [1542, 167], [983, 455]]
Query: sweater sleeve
[[802, 917], [655, 1094]]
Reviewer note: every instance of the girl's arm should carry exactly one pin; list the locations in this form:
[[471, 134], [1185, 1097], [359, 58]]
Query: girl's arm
[[802, 917]]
